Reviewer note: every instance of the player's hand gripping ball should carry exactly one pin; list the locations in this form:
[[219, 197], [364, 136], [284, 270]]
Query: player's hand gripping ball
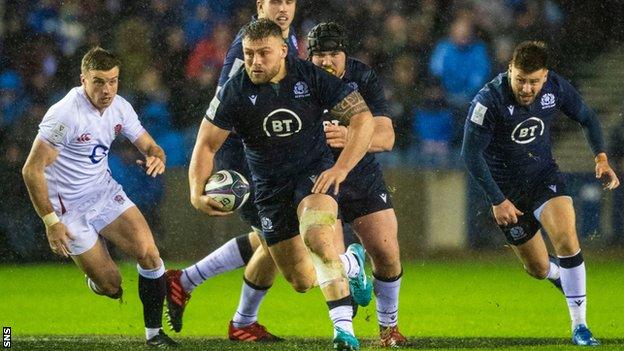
[[229, 188]]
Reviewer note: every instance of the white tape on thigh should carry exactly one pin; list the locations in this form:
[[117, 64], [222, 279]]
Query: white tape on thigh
[[327, 272]]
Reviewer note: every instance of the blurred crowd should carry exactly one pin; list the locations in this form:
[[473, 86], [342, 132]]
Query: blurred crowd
[[432, 56]]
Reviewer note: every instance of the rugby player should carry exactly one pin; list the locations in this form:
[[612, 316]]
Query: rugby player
[[80, 203], [507, 150]]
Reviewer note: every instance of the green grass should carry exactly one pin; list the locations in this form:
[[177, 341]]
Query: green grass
[[476, 304]]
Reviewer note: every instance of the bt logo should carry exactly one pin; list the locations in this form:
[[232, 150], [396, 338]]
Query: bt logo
[[528, 130], [281, 123], [98, 153]]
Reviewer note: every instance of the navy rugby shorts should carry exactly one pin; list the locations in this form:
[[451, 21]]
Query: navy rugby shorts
[[361, 194], [528, 197], [277, 203]]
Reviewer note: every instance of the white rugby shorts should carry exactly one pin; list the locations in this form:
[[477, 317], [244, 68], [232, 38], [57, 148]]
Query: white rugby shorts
[[90, 215]]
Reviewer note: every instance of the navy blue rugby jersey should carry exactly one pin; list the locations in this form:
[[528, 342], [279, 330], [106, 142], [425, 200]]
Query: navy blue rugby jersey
[[235, 59], [363, 78], [520, 142], [281, 124]]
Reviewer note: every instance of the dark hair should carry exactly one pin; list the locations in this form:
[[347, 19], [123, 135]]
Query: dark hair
[[99, 59], [530, 56], [260, 29], [328, 36]]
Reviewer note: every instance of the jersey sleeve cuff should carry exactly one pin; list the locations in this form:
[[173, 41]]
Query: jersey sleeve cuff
[[47, 141], [497, 199], [218, 124]]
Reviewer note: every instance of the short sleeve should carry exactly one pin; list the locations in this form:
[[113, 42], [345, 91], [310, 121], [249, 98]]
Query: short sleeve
[[132, 128], [373, 94], [56, 129], [219, 113], [330, 89]]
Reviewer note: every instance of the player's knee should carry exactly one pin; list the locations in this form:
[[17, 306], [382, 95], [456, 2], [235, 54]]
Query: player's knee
[[147, 255], [311, 221], [111, 285], [385, 260], [537, 270], [300, 283]]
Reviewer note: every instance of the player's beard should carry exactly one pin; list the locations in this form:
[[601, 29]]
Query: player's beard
[[265, 76], [522, 99]]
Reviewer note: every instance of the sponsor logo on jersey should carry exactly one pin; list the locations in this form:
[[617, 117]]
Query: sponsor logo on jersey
[[384, 197], [253, 98], [478, 114], [353, 85], [517, 233], [83, 138], [312, 178], [98, 153], [527, 130], [301, 90], [267, 225], [548, 101], [553, 188], [281, 123]]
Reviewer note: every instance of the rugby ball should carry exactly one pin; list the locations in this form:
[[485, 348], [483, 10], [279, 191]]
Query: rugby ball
[[229, 188]]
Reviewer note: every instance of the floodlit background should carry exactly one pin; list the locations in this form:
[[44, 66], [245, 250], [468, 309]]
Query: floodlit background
[[172, 52]]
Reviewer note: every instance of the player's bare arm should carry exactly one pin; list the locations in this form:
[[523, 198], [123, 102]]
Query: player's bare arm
[[383, 137], [352, 110], [209, 140], [350, 106], [155, 158], [42, 155], [605, 173]]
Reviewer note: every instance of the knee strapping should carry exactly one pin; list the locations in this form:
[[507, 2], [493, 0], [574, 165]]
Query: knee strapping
[[315, 218], [327, 271]]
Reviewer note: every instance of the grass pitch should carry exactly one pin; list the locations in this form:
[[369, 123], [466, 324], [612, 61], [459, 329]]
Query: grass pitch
[[472, 304]]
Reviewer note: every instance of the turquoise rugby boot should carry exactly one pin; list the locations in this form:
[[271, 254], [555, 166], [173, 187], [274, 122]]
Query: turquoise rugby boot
[[345, 341], [360, 286], [581, 336]]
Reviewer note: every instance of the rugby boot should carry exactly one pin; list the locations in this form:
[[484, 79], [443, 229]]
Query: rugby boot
[[360, 286], [177, 299], [253, 332]]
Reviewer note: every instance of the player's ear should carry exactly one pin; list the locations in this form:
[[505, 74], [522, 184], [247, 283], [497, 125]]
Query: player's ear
[[284, 50], [259, 6], [82, 79], [546, 76]]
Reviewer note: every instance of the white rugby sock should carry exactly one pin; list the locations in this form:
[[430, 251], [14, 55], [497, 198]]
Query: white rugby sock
[[249, 304], [350, 264], [387, 296], [151, 332], [341, 314], [572, 271], [228, 257], [553, 271]]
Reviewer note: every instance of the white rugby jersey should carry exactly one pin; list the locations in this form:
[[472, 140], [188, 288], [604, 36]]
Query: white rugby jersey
[[83, 138]]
